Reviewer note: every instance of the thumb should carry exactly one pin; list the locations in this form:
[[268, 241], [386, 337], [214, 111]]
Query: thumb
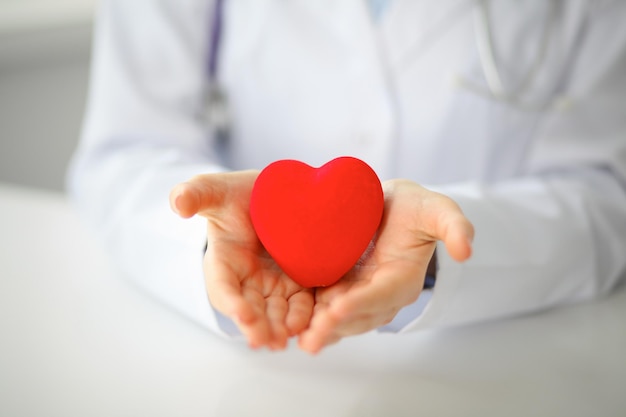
[[205, 192], [185, 199], [457, 233]]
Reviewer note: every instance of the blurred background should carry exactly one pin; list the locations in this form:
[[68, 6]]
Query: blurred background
[[44, 65]]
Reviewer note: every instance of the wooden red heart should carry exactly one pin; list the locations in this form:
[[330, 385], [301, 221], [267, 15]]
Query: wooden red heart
[[316, 222]]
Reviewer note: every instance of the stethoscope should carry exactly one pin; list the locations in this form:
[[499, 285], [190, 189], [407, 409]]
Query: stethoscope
[[217, 113], [495, 89]]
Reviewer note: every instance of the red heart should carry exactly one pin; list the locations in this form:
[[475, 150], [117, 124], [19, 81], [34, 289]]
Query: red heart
[[316, 222]]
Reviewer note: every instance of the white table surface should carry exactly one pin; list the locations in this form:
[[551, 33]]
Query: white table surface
[[76, 340]]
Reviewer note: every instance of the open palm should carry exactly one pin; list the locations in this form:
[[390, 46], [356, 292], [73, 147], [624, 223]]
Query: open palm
[[391, 274], [242, 280]]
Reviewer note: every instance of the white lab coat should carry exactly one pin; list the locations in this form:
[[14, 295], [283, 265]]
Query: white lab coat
[[313, 80]]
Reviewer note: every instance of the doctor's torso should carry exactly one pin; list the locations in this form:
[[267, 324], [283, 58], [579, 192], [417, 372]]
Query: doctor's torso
[[315, 80]]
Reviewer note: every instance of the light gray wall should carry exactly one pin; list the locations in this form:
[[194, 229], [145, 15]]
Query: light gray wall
[[43, 85]]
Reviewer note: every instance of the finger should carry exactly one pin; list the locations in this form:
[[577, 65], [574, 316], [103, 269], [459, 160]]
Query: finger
[[329, 328], [442, 219], [255, 332], [225, 292], [320, 332], [315, 349], [364, 323], [431, 215], [333, 339], [209, 191], [250, 322], [393, 286], [230, 302], [198, 194], [321, 327], [256, 328], [300, 312], [457, 233], [276, 310], [246, 307]]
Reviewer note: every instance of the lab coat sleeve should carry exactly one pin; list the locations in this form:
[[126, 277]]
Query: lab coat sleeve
[[141, 137], [557, 234]]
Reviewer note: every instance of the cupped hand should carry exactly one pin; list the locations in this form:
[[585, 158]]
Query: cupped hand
[[391, 274], [242, 280]]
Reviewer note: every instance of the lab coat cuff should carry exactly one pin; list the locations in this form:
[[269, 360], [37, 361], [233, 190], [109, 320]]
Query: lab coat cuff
[[433, 311]]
